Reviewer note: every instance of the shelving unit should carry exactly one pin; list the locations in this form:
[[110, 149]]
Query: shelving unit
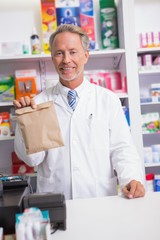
[[123, 59], [149, 23]]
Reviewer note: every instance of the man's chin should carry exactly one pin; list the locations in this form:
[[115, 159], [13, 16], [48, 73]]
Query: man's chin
[[68, 79], [71, 78]]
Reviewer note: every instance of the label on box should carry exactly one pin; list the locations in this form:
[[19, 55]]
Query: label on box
[[68, 15], [4, 125]]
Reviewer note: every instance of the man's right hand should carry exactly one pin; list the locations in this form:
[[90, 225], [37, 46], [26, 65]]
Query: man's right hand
[[24, 102]]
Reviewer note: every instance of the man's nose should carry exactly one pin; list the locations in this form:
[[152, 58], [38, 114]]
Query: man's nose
[[66, 58]]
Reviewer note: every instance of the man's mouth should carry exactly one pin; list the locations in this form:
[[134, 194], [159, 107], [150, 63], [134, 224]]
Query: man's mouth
[[66, 68]]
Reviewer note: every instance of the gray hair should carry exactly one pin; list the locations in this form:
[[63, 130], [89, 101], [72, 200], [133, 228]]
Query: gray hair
[[72, 29]]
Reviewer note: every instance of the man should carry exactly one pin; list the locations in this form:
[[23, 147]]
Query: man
[[97, 140]]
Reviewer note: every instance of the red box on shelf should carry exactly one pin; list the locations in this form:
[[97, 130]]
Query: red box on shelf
[[19, 167]]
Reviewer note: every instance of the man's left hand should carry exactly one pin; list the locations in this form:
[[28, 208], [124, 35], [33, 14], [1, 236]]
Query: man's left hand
[[134, 189]]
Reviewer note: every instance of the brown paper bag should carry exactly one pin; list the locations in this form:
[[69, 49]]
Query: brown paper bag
[[40, 127]]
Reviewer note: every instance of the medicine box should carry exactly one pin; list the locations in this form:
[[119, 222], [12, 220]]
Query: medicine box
[[7, 88], [25, 83], [87, 21], [151, 122], [157, 183], [11, 48], [68, 12], [49, 23], [155, 90]]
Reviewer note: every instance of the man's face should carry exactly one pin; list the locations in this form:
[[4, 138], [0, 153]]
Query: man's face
[[69, 56]]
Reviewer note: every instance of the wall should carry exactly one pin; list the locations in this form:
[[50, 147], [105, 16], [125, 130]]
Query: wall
[[147, 17], [17, 19]]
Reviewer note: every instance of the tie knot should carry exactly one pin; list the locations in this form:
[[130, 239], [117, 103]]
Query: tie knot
[[72, 99], [71, 93]]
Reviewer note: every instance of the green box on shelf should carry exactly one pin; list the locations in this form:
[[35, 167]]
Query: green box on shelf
[[7, 88]]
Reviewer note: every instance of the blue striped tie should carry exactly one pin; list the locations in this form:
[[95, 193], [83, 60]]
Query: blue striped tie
[[72, 99]]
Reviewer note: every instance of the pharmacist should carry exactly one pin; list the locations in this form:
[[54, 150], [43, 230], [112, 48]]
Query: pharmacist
[[97, 140]]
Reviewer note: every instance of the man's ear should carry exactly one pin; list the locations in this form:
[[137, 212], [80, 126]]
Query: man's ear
[[86, 56]]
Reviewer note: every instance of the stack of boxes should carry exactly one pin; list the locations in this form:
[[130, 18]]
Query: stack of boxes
[[24, 83], [75, 12], [80, 13]]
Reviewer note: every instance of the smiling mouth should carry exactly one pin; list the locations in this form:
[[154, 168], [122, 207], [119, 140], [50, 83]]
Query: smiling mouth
[[66, 68]]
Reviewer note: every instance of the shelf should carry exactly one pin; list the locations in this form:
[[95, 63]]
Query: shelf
[[109, 53], [148, 50], [150, 103], [152, 164], [149, 71], [27, 57], [2, 104], [151, 134], [7, 138], [122, 95], [96, 53]]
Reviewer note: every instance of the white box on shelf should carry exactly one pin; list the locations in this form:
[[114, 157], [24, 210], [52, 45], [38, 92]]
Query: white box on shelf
[[11, 48]]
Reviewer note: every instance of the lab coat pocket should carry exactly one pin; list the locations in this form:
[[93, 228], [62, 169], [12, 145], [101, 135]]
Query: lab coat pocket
[[106, 187]]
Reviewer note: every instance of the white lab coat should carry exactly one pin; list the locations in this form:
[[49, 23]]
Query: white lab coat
[[97, 141]]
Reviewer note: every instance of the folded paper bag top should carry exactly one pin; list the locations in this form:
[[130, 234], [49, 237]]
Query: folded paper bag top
[[40, 128]]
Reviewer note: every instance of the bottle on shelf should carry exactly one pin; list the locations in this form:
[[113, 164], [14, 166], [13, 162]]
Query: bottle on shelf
[[108, 19], [150, 182], [25, 47], [35, 42]]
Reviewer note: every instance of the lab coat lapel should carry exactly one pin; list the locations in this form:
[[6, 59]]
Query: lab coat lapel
[[60, 100], [85, 103]]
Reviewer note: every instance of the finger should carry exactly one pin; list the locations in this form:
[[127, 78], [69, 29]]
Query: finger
[[33, 104], [132, 189], [140, 190], [17, 104], [126, 191], [23, 102], [27, 100]]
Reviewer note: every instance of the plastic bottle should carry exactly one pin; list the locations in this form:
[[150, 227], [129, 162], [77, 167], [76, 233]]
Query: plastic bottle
[[150, 182], [25, 47], [109, 29], [35, 43]]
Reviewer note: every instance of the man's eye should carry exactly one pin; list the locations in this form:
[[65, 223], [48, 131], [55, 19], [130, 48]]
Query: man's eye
[[58, 54], [73, 52]]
